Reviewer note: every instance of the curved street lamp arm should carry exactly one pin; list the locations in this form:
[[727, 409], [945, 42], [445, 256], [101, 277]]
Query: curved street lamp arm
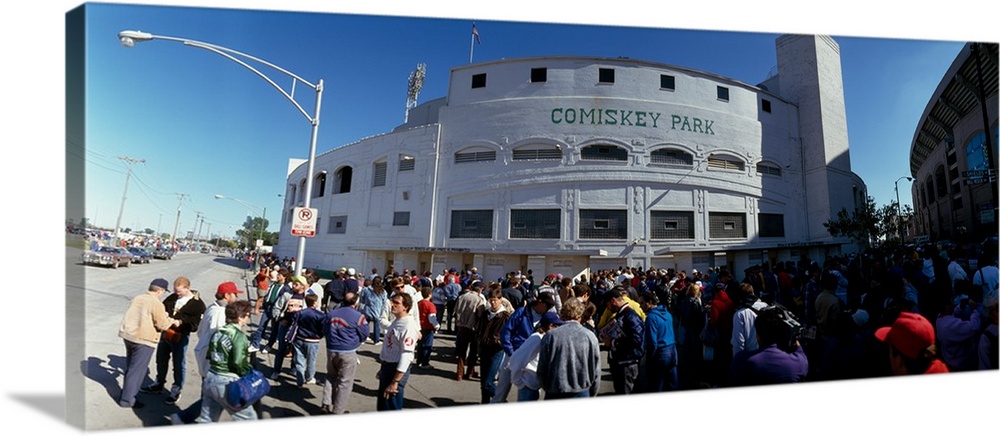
[[236, 56]]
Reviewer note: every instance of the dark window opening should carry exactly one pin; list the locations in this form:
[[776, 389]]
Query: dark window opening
[[765, 105], [667, 82], [539, 74], [606, 75], [479, 80], [723, 93]]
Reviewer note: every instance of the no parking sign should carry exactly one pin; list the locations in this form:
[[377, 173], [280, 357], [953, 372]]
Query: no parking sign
[[304, 221]]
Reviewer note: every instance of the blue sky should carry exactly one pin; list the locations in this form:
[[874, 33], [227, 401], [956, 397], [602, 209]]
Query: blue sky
[[205, 126]]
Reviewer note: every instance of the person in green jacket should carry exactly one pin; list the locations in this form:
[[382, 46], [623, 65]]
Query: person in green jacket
[[229, 360]]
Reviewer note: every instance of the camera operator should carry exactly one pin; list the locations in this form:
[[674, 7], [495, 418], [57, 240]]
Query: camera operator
[[780, 358]]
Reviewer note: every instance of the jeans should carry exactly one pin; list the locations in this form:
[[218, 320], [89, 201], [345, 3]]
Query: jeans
[[213, 400], [466, 347], [137, 357], [503, 381], [376, 327], [424, 346], [450, 307], [489, 366], [661, 371], [279, 358], [304, 358], [167, 352], [262, 325], [386, 373], [340, 369], [527, 394]]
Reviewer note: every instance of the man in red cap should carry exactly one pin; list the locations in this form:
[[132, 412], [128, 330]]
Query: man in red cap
[[911, 345], [213, 319]]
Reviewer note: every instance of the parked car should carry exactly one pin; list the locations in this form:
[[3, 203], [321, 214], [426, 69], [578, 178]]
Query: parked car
[[107, 256], [163, 253], [140, 255]]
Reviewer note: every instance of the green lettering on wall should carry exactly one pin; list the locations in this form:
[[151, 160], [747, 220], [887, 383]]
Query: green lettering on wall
[[624, 117]]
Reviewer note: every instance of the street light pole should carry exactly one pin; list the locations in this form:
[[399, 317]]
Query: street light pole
[[263, 214], [128, 38], [898, 212]]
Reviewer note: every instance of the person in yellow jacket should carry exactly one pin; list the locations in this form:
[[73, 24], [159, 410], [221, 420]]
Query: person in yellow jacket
[[144, 320], [609, 315]]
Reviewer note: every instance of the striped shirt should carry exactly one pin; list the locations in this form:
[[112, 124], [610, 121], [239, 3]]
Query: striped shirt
[[400, 342]]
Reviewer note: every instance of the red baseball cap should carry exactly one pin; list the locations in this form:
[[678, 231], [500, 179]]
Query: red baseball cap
[[911, 334], [228, 288]]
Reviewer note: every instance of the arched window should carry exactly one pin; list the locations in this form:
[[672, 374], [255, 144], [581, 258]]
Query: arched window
[[302, 190], [319, 185], [725, 162], [537, 152], [475, 154], [604, 152], [407, 163], [941, 181], [379, 173], [768, 169], [671, 156], [342, 180], [930, 189]]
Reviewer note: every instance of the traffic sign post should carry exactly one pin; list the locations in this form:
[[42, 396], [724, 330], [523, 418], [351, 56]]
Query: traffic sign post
[[304, 221]]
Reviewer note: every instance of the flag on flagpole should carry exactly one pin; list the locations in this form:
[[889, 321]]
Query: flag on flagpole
[[475, 34]]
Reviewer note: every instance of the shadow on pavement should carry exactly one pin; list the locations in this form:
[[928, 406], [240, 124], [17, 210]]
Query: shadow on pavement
[[109, 373], [229, 261]]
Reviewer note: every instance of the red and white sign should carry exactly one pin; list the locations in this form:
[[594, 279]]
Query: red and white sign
[[304, 221]]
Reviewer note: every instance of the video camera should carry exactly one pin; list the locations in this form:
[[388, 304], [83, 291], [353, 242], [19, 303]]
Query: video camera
[[780, 326]]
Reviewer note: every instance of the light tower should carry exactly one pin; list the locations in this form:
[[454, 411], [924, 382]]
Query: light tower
[[413, 87]]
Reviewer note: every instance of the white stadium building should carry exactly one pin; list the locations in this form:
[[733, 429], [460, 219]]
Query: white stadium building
[[571, 164]]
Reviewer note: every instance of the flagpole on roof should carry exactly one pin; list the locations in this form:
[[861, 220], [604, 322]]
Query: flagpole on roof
[[475, 39]]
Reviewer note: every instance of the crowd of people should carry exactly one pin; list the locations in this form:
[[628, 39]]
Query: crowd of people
[[915, 310]]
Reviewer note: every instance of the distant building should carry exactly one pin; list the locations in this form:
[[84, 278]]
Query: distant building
[[570, 164], [954, 197]]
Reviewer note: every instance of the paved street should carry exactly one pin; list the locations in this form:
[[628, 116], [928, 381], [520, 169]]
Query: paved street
[[107, 293]]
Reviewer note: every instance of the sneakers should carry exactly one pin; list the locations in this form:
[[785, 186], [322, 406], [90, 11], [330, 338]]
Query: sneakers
[[175, 419], [152, 389], [378, 343], [175, 394], [253, 349], [311, 381], [425, 366], [264, 351]]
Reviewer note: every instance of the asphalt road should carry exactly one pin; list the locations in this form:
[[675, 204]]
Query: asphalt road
[[99, 296]]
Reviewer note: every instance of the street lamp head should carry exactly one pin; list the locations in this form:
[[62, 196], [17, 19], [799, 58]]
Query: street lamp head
[[218, 196], [128, 38]]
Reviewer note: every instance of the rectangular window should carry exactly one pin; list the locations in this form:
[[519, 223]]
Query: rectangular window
[[378, 179], [539, 75], [475, 156], [606, 75], [473, 224], [671, 224], [671, 157], [407, 164], [772, 225], [666, 82], [401, 219], [338, 224], [723, 93], [603, 224], [765, 105], [479, 80], [535, 223], [727, 225]]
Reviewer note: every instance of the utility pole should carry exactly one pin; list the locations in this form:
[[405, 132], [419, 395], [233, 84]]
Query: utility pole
[[194, 230], [180, 203], [128, 176]]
